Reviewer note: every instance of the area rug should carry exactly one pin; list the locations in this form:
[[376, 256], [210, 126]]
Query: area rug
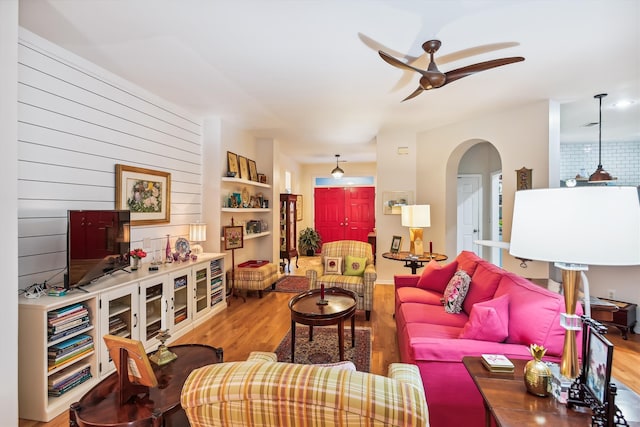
[[295, 284], [324, 347]]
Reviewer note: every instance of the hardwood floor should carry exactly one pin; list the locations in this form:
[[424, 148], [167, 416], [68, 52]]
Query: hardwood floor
[[260, 324]]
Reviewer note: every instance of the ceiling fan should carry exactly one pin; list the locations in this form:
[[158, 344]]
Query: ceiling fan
[[432, 78]]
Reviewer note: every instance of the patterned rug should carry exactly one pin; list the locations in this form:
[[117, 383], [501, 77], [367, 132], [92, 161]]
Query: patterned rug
[[295, 284], [324, 347]]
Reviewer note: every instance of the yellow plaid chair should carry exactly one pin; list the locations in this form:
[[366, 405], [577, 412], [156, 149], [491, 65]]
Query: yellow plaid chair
[[362, 285], [261, 392]]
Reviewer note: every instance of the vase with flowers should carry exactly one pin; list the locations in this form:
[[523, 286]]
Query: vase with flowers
[[136, 255]]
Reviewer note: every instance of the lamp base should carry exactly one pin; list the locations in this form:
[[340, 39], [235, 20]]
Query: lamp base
[[415, 236], [569, 366]]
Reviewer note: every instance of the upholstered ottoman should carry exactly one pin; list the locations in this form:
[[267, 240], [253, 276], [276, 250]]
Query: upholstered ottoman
[[254, 276]]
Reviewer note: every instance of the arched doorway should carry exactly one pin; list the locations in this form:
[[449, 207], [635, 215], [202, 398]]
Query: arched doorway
[[479, 200]]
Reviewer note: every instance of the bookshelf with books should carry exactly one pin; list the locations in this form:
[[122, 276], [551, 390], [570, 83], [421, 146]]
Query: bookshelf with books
[[61, 350], [201, 294], [217, 288]]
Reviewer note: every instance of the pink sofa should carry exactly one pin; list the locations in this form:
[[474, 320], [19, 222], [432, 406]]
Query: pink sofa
[[430, 337]]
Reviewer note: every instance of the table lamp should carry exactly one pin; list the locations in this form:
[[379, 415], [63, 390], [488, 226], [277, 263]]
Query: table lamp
[[416, 217], [574, 228], [197, 233]]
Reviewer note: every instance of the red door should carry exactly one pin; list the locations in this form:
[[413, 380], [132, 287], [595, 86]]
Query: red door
[[344, 213]]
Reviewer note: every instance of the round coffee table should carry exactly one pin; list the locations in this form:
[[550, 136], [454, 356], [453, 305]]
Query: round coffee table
[[341, 305]]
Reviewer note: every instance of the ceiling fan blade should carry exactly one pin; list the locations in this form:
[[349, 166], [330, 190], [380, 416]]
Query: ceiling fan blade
[[459, 73], [397, 63], [414, 93]]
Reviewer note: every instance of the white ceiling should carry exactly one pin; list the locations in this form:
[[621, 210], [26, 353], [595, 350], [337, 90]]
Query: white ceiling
[[308, 73]]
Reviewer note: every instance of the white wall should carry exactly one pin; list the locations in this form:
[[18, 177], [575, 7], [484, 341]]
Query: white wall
[[76, 122], [8, 213]]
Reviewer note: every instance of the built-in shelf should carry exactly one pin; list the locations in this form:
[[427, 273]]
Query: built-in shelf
[[246, 182], [246, 209], [252, 236]]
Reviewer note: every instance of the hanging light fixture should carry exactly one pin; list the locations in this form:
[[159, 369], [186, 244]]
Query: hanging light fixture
[[600, 174], [337, 172]]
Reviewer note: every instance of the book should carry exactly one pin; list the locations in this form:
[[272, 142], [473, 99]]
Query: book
[[497, 363]]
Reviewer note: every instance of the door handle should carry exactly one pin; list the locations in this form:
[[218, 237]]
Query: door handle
[[475, 231]]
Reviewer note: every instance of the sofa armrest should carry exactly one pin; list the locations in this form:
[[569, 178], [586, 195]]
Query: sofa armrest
[[406, 373], [262, 356], [403, 280], [370, 274], [312, 274]]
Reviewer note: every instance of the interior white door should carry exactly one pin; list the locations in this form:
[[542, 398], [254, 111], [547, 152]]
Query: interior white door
[[469, 212]]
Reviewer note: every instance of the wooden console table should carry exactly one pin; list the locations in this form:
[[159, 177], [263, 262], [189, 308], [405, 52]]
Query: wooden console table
[[161, 406], [620, 314], [507, 401]]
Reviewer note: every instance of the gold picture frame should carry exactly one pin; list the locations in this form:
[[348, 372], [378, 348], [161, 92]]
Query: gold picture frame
[[524, 179], [233, 237], [146, 193], [244, 167], [299, 207], [253, 172], [232, 163]]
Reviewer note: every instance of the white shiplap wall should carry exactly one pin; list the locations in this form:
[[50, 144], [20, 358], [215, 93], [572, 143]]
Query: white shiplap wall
[[75, 123]]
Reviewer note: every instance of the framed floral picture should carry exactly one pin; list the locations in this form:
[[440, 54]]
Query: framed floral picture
[[233, 237], [232, 164], [145, 192]]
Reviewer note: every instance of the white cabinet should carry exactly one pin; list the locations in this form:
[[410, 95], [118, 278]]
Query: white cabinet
[[62, 354], [154, 309], [118, 316], [58, 340], [181, 301]]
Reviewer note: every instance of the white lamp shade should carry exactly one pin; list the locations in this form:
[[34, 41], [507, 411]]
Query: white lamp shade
[[416, 216], [583, 225], [197, 232]]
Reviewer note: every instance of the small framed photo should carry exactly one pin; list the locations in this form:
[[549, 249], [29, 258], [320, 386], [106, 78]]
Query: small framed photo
[[243, 164], [253, 172], [145, 192], [233, 237], [232, 164], [138, 367], [598, 365], [396, 244], [524, 179], [262, 178]]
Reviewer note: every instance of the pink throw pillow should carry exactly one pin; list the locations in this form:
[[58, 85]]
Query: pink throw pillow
[[489, 321], [456, 291], [436, 276]]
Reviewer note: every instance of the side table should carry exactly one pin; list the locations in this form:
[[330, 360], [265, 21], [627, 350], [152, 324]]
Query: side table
[[620, 314], [412, 261], [161, 406]]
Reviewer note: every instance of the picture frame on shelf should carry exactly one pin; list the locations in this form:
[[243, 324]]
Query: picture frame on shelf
[[235, 200], [392, 201], [524, 179], [144, 192], [244, 167], [232, 164], [233, 237], [262, 178], [396, 244], [253, 172]]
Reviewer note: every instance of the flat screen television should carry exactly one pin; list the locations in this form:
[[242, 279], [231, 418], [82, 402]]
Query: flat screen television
[[97, 244]]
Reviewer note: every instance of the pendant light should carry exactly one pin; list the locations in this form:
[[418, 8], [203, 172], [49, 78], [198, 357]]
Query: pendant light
[[600, 174], [337, 172]]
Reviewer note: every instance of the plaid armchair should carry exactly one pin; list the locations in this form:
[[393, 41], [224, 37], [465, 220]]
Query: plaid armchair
[[361, 285], [262, 392]]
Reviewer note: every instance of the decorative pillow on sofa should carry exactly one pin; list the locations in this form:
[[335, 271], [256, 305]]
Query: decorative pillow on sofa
[[456, 291], [354, 266], [436, 276], [333, 265], [488, 321]]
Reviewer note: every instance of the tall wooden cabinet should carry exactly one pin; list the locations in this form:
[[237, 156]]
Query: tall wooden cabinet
[[288, 230]]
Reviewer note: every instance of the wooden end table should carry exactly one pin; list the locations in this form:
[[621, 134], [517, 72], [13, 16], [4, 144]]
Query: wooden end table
[[413, 262], [507, 401], [620, 314], [306, 310], [100, 406]]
